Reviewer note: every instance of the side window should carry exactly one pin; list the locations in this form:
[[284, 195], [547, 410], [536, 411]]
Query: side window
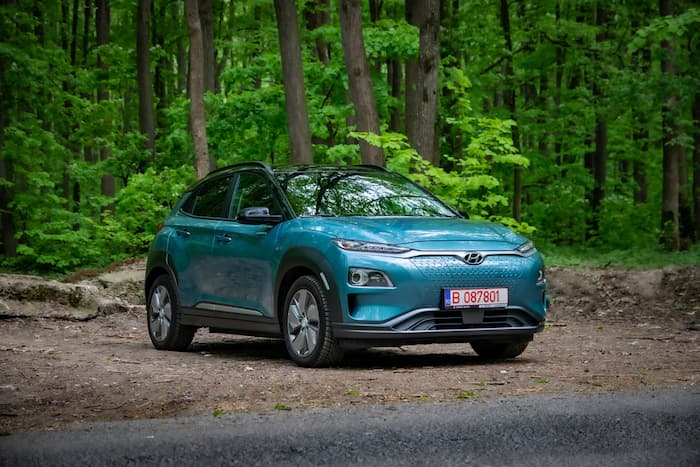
[[209, 200], [253, 191]]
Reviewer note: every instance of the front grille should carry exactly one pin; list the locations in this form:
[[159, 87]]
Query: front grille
[[449, 271], [452, 320]]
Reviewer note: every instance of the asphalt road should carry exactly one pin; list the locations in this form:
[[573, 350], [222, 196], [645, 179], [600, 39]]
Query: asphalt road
[[652, 427]]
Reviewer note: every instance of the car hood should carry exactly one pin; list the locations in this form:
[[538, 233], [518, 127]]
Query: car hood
[[420, 233]]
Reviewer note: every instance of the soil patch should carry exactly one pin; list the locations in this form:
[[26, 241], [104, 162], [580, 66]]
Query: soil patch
[[607, 329]]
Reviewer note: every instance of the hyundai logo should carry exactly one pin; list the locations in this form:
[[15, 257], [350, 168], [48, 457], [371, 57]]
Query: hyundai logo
[[474, 258]]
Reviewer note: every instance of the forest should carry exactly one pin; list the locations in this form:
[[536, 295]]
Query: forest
[[575, 122]]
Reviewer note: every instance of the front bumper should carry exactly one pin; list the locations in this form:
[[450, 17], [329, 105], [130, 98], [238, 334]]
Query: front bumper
[[429, 326]]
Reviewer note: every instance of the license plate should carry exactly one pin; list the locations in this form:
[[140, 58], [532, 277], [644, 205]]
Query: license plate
[[475, 298]]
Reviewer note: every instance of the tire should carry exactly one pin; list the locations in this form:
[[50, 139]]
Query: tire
[[499, 350], [306, 325], [164, 317]]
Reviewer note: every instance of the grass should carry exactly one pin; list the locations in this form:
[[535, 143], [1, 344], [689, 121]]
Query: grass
[[469, 394], [634, 258]]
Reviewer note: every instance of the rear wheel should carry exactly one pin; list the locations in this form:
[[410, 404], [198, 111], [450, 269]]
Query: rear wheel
[[499, 350], [306, 325], [165, 318]]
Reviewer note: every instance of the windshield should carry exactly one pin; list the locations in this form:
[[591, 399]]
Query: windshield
[[358, 193]]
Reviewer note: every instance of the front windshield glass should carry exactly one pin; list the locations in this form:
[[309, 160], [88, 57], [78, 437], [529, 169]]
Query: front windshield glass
[[358, 193]]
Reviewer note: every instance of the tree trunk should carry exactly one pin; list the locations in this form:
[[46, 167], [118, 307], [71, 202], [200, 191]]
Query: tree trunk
[[641, 192], [361, 91], [9, 242], [74, 34], [696, 164], [600, 157], [411, 100], [102, 22], [87, 19], [206, 21], [509, 100], [450, 47], [143, 74], [672, 151], [394, 78], [158, 16], [558, 83], [202, 161], [425, 14], [181, 55], [317, 14], [686, 228], [641, 136], [75, 192], [293, 77]]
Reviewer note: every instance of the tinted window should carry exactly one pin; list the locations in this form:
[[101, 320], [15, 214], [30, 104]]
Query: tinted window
[[348, 193], [253, 191], [210, 199]]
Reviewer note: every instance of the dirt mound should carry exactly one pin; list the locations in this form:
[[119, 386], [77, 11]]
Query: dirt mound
[[626, 295]]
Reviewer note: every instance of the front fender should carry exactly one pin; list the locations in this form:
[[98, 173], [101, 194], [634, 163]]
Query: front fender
[[303, 261]]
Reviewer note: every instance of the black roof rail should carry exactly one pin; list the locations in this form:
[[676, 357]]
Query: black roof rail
[[373, 166], [237, 165]]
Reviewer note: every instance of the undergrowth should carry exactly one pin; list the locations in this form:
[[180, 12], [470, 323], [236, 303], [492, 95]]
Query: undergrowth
[[634, 258]]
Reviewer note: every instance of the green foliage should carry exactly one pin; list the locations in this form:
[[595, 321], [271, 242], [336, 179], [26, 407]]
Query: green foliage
[[58, 141], [649, 256], [391, 39], [238, 117], [468, 394], [469, 188], [140, 207], [65, 241]]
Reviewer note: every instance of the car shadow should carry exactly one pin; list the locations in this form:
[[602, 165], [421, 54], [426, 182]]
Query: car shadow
[[257, 348], [407, 357], [397, 358]]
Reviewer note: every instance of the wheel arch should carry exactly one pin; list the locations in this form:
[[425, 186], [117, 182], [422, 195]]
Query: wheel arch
[[157, 266], [301, 262]]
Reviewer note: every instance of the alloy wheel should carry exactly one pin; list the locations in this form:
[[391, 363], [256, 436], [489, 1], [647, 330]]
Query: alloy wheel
[[160, 313], [303, 322]]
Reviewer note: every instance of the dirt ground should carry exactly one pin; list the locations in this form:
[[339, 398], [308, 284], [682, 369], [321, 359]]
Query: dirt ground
[[608, 329]]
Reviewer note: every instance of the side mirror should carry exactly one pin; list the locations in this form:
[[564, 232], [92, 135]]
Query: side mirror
[[258, 215]]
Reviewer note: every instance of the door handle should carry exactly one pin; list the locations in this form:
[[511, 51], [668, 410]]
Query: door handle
[[183, 233], [223, 239]]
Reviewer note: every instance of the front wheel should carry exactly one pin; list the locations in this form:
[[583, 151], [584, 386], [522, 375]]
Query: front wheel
[[306, 325], [499, 350], [164, 318]]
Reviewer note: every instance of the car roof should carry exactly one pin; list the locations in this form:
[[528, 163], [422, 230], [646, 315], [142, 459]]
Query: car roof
[[322, 168], [288, 169]]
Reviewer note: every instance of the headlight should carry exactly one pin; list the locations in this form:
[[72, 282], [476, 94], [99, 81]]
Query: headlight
[[369, 247], [527, 248], [361, 277]]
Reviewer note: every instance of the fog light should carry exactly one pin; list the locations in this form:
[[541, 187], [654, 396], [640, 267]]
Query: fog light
[[360, 277]]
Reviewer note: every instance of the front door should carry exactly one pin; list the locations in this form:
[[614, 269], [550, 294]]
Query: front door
[[244, 255]]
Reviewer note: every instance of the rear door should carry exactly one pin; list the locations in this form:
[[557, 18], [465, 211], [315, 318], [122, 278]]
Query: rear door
[[193, 237]]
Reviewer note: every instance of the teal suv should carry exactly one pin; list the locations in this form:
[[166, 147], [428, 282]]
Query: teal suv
[[338, 258]]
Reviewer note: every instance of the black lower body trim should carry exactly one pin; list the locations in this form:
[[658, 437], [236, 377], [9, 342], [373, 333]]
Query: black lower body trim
[[219, 321]]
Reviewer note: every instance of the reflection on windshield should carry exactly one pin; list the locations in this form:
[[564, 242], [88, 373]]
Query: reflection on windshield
[[347, 193]]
